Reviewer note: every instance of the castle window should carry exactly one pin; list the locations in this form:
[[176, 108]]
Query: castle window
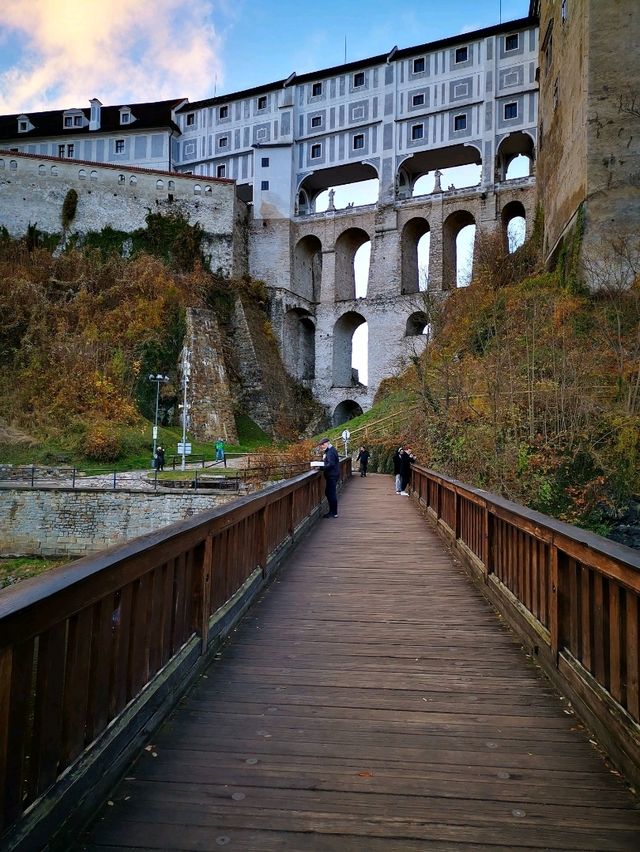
[[171, 185], [461, 90], [93, 175], [61, 150], [316, 151], [119, 146], [511, 42], [462, 54], [564, 10], [262, 102], [221, 170], [191, 119], [316, 121], [460, 122], [265, 162], [264, 185], [417, 100], [68, 121], [125, 117], [418, 65], [23, 126], [316, 90], [121, 179], [358, 141], [133, 180], [159, 184], [417, 131], [82, 174], [511, 110], [223, 142], [358, 79], [223, 112]]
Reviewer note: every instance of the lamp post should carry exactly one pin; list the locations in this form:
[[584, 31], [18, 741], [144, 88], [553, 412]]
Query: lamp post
[[159, 379], [186, 372]]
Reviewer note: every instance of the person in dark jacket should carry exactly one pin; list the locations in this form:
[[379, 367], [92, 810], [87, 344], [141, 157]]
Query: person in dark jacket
[[363, 459], [406, 460], [331, 470], [160, 458], [397, 457]]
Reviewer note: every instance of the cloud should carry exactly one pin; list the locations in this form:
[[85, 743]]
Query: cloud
[[120, 51]]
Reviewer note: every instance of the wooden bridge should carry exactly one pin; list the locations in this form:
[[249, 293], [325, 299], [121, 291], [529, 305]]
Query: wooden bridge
[[371, 699]]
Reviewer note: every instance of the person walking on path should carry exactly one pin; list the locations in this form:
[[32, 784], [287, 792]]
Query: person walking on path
[[363, 458], [406, 460], [397, 457], [331, 470]]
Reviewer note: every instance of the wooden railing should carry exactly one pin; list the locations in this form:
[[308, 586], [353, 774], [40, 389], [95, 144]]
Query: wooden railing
[[94, 653], [574, 597]]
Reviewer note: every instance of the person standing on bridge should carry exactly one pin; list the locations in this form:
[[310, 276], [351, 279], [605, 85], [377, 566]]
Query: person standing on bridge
[[363, 459], [397, 457], [331, 470], [406, 460]]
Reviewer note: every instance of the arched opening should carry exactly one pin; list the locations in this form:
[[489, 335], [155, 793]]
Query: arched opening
[[439, 170], [414, 244], [346, 410], [359, 353], [347, 246], [337, 188], [458, 237], [307, 268], [418, 324], [361, 265], [344, 375], [515, 156], [514, 225], [299, 347]]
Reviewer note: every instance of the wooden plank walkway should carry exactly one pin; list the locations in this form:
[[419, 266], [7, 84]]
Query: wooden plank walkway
[[372, 700]]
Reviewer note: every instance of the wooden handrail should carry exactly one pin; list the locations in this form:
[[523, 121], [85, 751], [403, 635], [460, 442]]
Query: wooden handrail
[[573, 596], [82, 643]]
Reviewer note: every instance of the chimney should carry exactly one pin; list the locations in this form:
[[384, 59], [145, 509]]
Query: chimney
[[94, 121]]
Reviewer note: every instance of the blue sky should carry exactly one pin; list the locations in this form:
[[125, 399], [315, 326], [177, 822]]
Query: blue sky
[[61, 53]]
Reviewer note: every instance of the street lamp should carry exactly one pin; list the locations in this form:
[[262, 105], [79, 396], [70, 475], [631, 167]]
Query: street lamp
[[159, 379], [186, 373]]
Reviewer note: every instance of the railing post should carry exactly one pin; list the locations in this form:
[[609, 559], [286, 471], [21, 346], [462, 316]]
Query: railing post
[[487, 541], [73, 478], [554, 602], [33, 474], [205, 592], [262, 541], [114, 480], [456, 515]]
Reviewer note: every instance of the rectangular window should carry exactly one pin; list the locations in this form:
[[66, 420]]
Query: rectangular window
[[119, 146], [358, 141], [316, 89], [316, 121], [460, 122], [418, 65], [262, 102], [564, 10], [316, 151], [511, 42], [417, 100], [71, 150], [264, 185], [223, 112], [265, 162], [462, 54], [191, 119], [124, 118], [77, 121], [223, 142], [358, 79], [23, 126], [417, 131], [511, 110], [68, 121], [221, 171], [61, 150]]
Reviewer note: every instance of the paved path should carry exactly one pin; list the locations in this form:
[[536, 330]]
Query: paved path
[[371, 700]]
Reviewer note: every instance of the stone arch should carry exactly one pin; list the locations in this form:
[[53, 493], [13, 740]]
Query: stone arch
[[343, 373], [451, 228], [159, 184], [93, 175], [121, 179], [417, 324], [515, 144], [197, 189], [307, 268], [207, 190], [412, 233], [304, 204], [346, 247], [82, 174], [299, 344], [511, 212], [315, 183], [425, 164], [54, 170], [133, 180], [42, 169], [346, 410]]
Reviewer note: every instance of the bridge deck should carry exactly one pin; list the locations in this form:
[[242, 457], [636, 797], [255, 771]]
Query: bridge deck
[[372, 700]]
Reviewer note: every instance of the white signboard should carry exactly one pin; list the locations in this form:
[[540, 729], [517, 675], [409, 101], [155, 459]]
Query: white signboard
[[184, 449], [155, 432], [346, 435]]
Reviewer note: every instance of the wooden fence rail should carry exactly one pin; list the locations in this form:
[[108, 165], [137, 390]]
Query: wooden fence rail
[[94, 653], [574, 598]]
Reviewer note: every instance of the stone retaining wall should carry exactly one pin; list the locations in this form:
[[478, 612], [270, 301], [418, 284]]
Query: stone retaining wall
[[66, 522]]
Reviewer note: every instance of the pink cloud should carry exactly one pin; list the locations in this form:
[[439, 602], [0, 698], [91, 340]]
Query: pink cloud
[[119, 51]]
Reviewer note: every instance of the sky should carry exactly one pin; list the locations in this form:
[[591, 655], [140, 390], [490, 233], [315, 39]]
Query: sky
[[61, 53]]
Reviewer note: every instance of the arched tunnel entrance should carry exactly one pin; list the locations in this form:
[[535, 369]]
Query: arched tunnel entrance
[[346, 410]]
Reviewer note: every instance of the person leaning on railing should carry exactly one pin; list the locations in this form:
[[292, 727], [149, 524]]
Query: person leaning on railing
[[331, 470]]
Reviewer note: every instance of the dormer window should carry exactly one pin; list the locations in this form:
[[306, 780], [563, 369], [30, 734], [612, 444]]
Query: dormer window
[[73, 118], [24, 125], [191, 119], [125, 115], [68, 121]]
